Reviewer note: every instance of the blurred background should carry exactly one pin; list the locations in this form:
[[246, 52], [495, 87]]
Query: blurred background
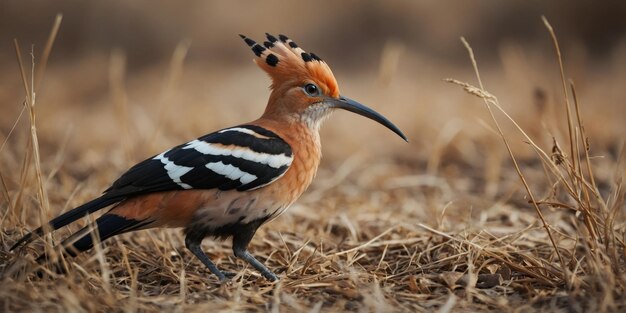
[[127, 79]]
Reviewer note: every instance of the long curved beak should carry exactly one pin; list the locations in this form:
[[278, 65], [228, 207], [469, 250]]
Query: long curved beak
[[355, 107]]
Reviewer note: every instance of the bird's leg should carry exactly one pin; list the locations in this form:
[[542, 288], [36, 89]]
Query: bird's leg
[[240, 248], [193, 244]]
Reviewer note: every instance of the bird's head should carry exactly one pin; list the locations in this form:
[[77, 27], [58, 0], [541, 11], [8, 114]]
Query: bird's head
[[303, 86]]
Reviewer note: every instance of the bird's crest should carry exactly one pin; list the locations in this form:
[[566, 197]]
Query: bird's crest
[[285, 61]]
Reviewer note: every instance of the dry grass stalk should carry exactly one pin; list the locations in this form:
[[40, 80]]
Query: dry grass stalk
[[30, 104], [490, 99], [581, 272]]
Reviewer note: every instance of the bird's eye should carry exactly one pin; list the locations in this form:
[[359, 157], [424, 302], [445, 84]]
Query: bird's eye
[[311, 90]]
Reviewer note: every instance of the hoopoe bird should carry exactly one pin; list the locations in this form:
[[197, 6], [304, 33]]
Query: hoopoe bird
[[230, 182]]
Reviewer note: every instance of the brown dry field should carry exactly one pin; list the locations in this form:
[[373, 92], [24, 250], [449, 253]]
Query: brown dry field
[[443, 223]]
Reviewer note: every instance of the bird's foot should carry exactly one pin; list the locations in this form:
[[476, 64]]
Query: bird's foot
[[269, 275], [228, 275], [225, 276]]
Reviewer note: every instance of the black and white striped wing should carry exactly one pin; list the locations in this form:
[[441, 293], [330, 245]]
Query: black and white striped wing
[[243, 158]]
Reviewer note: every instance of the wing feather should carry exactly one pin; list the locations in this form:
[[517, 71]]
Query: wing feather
[[245, 157]]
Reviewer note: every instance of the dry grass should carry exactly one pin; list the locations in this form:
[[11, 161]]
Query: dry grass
[[372, 234]]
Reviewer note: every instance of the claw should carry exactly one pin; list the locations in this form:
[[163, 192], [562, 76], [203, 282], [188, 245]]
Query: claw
[[229, 274], [270, 276]]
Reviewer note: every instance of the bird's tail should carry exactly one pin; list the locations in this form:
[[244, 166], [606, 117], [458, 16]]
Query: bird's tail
[[107, 225], [67, 218]]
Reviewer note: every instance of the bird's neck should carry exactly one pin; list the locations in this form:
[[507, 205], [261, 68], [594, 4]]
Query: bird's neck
[[307, 121], [297, 131]]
